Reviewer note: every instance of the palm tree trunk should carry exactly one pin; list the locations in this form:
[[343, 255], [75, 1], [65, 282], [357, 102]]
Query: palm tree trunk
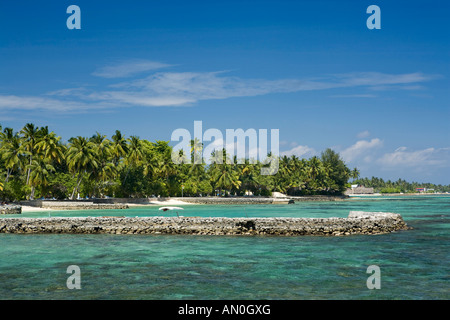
[[33, 189], [29, 169], [77, 186], [126, 176]]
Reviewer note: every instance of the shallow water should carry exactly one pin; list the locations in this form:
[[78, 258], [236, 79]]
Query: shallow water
[[413, 263]]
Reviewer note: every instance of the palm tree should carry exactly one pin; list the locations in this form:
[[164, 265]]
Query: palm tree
[[103, 148], [40, 171], [49, 145], [248, 175], [354, 174], [223, 175], [166, 167], [135, 154], [12, 151], [283, 179], [81, 158], [315, 168], [151, 162], [338, 174], [315, 172], [6, 135], [119, 147], [197, 172], [30, 136], [225, 178], [196, 151], [106, 170]]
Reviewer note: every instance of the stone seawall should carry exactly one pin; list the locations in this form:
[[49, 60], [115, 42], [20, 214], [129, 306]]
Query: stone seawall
[[256, 200], [356, 223], [73, 205], [10, 209], [85, 206], [122, 203], [232, 201]]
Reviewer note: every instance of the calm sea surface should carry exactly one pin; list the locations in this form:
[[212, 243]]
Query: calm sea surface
[[414, 264]]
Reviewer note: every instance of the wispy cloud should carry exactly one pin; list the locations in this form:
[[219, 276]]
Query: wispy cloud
[[12, 102], [301, 152], [397, 87], [178, 88], [354, 96], [374, 79], [366, 154], [361, 148], [168, 89], [402, 157], [128, 68], [363, 134]]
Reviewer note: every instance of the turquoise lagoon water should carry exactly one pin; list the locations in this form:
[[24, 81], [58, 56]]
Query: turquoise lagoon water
[[414, 264]]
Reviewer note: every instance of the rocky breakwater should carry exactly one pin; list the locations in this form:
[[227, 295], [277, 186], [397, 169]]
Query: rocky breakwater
[[231, 200], [356, 223], [74, 205], [10, 209]]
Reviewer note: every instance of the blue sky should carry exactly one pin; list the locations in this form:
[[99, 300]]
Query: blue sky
[[311, 69]]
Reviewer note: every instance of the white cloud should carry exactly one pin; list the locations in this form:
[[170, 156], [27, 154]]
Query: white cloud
[[205, 85], [128, 68], [178, 88], [9, 102], [380, 79], [418, 158], [361, 148], [215, 85], [354, 96], [397, 87], [166, 89], [363, 134], [301, 152], [141, 99]]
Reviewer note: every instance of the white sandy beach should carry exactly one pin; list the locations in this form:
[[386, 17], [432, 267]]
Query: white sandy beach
[[34, 209], [165, 202]]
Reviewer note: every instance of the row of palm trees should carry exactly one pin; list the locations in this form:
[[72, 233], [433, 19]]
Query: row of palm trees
[[400, 185], [37, 161]]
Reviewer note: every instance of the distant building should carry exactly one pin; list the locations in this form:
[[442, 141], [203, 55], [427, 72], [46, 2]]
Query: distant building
[[423, 190]]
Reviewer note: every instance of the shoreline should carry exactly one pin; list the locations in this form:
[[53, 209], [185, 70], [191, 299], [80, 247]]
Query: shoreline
[[398, 195], [125, 203], [34, 209]]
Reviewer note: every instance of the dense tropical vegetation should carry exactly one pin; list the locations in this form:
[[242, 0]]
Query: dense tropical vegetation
[[381, 186], [35, 163]]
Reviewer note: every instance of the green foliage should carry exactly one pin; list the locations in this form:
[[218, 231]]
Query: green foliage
[[336, 171], [390, 190], [204, 187], [401, 185], [35, 163], [14, 190], [135, 185], [61, 185]]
